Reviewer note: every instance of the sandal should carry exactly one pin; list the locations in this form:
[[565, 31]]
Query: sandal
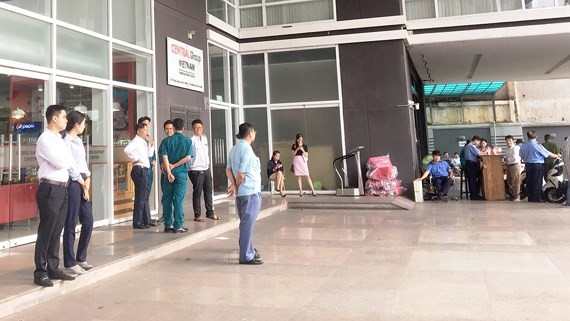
[[301, 194], [200, 219], [283, 194], [314, 194], [214, 217]]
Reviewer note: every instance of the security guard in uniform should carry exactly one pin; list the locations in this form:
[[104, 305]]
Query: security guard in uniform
[[175, 151]]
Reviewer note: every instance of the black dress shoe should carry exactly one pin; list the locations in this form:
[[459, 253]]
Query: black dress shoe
[[43, 281], [61, 276], [253, 262], [153, 223], [138, 227]]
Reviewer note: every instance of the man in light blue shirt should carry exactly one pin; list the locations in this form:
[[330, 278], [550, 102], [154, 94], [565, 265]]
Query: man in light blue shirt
[[244, 172], [442, 175], [533, 154]]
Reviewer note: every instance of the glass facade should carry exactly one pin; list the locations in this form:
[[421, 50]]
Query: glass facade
[[224, 10], [298, 80], [255, 13], [425, 9], [71, 68]]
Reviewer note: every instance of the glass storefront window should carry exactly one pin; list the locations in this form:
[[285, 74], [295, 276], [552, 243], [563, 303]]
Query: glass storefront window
[[531, 4], [88, 14], [21, 123], [42, 7], [132, 22], [223, 75], [28, 40], [321, 132], [420, 9], [128, 106], [253, 75], [91, 102], [132, 67], [258, 118], [82, 54], [224, 10], [304, 75]]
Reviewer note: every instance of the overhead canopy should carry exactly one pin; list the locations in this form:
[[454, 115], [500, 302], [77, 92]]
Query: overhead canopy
[[475, 88]]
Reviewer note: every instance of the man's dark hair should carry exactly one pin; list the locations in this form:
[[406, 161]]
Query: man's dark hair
[[509, 137], [436, 153], [140, 121], [456, 153], [168, 122], [139, 126], [197, 121], [547, 137], [484, 140], [53, 110], [244, 130], [531, 134], [476, 138], [519, 141], [178, 124]]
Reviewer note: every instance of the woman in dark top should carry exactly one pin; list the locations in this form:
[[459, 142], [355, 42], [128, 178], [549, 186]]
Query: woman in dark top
[[300, 154], [275, 172]]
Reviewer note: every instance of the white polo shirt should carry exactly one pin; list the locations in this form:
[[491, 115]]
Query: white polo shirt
[[54, 157], [138, 150], [201, 159]]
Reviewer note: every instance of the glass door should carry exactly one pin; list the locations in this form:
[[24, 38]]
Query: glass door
[[219, 147], [21, 123]]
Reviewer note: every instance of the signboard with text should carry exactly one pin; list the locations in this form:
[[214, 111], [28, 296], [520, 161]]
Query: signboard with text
[[185, 65]]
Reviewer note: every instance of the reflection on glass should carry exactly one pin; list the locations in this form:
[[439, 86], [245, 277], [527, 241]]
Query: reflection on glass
[[128, 106], [25, 33], [92, 102], [132, 22], [218, 71], [304, 75], [88, 14], [131, 67], [531, 4], [81, 53], [219, 150], [21, 123], [253, 74], [42, 7]]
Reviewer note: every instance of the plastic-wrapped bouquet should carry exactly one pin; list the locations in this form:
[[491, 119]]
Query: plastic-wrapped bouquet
[[382, 177]]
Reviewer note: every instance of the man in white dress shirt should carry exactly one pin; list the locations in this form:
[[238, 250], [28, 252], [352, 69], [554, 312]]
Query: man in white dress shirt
[[54, 158], [139, 151], [200, 174]]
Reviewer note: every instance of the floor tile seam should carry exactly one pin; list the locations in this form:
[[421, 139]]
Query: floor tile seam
[[32, 297]]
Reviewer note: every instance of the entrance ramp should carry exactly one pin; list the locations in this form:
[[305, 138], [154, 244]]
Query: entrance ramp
[[349, 203]]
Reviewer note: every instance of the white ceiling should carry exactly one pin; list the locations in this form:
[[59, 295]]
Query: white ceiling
[[502, 58]]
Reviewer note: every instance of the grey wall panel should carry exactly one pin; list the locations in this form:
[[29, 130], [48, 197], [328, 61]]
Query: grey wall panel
[[385, 74], [362, 9], [352, 60], [380, 126], [190, 8], [376, 8]]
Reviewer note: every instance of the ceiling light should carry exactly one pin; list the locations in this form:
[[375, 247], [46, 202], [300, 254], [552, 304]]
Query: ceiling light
[[117, 106], [18, 113], [81, 108]]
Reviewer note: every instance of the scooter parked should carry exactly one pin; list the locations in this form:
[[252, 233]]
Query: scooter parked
[[554, 190]]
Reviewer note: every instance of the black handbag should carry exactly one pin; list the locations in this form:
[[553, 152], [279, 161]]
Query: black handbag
[[292, 168]]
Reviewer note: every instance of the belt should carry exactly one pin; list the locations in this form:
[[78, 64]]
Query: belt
[[56, 183], [513, 164]]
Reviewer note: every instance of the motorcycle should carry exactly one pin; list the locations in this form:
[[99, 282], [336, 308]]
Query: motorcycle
[[554, 191]]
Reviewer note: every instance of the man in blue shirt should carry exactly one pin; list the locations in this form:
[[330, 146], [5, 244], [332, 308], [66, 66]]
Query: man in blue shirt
[[533, 154], [441, 175], [244, 172], [472, 168]]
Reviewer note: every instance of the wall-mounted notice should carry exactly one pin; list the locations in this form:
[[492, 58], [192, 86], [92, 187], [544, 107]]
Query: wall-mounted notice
[[185, 65]]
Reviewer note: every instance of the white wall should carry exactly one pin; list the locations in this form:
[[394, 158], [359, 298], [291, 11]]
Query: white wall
[[543, 101]]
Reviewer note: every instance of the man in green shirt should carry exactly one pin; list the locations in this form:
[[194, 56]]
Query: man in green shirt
[[551, 147], [175, 151]]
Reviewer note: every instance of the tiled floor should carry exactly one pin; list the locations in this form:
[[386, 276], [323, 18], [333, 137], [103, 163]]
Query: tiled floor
[[456, 261]]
